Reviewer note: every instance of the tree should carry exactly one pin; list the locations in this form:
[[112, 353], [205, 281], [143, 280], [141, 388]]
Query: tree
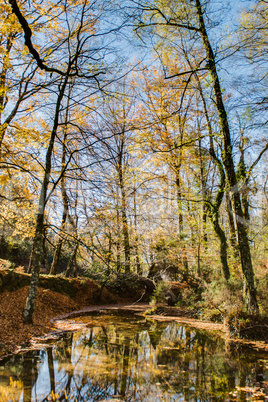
[[115, 140], [72, 45], [190, 17], [176, 134], [65, 200]]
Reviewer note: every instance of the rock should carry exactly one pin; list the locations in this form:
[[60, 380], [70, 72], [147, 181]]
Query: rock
[[171, 298]]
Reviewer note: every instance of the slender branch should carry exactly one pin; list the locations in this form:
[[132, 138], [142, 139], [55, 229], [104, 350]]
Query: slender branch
[[28, 42]]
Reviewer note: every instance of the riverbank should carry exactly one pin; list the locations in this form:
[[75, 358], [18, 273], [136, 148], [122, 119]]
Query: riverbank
[[60, 299], [55, 296]]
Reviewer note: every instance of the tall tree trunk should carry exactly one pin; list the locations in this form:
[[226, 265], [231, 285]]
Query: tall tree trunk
[[178, 195], [243, 180], [74, 222], [223, 246], [228, 162], [57, 252], [45, 256], [203, 191], [213, 207], [118, 233], [137, 257], [108, 258], [72, 262], [124, 217], [232, 227], [56, 256], [37, 247]]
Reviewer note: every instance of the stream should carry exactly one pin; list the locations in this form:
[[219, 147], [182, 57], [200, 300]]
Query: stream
[[132, 358]]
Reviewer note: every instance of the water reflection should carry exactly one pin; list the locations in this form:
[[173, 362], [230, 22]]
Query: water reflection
[[133, 359]]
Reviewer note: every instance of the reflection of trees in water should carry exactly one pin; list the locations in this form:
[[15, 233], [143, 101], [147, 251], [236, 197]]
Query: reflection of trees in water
[[155, 333], [194, 372], [21, 373], [50, 362], [119, 375], [203, 370], [136, 361], [29, 374]]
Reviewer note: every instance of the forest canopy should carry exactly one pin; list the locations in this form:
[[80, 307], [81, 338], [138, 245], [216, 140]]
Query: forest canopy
[[133, 140]]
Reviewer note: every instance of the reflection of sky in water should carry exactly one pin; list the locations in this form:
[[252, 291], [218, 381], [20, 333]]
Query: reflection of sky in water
[[135, 360]]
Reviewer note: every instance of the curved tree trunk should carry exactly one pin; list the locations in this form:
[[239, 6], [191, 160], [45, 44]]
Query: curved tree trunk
[[223, 247], [213, 208], [228, 162]]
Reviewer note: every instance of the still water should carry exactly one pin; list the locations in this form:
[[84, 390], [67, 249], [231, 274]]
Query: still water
[[116, 358]]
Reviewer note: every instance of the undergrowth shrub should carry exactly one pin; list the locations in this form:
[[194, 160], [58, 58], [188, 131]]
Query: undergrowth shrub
[[220, 299], [262, 286], [160, 292], [188, 298]]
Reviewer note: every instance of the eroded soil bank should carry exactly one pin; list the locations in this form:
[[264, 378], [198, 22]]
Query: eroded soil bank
[[55, 296]]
